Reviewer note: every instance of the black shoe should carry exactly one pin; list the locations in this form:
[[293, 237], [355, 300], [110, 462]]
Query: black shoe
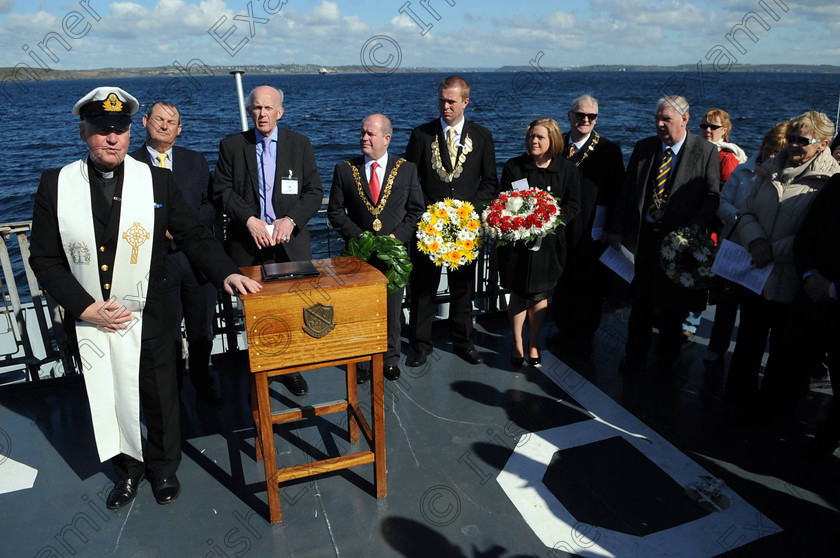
[[418, 358], [516, 361], [123, 492], [166, 489], [630, 365], [296, 384], [208, 394], [362, 374], [470, 355], [392, 372], [537, 360]]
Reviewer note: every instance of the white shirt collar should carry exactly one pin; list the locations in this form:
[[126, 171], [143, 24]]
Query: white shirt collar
[[579, 144], [154, 153], [459, 127], [382, 161], [676, 147]]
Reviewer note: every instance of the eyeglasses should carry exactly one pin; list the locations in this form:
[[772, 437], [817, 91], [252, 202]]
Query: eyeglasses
[[800, 140], [713, 127], [590, 115]]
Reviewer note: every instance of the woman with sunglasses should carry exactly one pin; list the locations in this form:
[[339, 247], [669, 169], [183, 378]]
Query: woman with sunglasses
[[732, 196], [716, 127], [770, 217]]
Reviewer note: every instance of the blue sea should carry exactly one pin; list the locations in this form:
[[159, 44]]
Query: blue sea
[[41, 132]]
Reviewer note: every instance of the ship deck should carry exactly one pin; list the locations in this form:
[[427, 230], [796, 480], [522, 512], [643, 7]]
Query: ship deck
[[483, 461]]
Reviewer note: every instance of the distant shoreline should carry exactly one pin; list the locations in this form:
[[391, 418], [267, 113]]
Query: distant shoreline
[[28, 74]]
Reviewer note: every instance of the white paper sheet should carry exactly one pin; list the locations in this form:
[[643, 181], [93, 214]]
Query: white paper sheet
[[733, 262], [621, 262], [519, 185]]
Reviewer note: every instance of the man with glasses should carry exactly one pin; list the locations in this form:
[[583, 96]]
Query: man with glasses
[[672, 181], [577, 302]]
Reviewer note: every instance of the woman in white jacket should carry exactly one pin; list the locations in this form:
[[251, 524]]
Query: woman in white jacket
[[732, 196], [769, 220]]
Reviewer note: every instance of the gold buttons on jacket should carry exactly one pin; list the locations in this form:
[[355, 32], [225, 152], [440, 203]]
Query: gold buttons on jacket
[[101, 248], [104, 267], [107, 286]]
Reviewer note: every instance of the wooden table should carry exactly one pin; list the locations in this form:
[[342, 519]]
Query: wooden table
[[337, 318]]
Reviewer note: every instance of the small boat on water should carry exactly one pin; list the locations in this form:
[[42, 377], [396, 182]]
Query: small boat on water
[[327, 71]]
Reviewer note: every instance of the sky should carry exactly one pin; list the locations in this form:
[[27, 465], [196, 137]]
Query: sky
[[388, 34]]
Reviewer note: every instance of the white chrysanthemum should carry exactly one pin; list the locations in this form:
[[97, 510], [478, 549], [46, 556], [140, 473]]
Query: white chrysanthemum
[[514, 204], [668, 253], [686, 280]]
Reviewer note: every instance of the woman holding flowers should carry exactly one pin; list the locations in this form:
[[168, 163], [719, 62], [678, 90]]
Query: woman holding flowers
[[530, 270]]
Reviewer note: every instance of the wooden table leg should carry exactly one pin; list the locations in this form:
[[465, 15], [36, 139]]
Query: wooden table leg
[[378, 411], [352, 403], [256, 414], [266, 434]]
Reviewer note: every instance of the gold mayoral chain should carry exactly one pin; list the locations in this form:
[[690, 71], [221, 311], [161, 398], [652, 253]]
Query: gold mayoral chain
[[383, 199], [590, 149], [437, 164]]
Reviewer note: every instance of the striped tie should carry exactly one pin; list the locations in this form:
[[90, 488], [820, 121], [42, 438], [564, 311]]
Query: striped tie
[[662, 177]]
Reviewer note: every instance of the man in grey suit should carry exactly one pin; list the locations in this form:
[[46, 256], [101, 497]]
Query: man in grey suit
[[672, 181], [193, 296], [267, 182]]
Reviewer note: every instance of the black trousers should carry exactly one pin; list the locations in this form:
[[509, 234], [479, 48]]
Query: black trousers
[[577, 303], [194, 299], [159, 400], [655, 300], [424, 281], [760, 319]]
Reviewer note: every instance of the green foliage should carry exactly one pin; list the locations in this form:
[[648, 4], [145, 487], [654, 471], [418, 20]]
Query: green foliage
[[389, 250]]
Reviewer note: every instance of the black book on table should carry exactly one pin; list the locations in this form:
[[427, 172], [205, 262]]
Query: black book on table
[[287, 270]]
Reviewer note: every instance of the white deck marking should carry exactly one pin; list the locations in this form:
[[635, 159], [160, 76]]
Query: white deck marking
[[557, 528]]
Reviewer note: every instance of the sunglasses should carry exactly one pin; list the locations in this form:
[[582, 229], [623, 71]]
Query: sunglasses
[[713, 127], [800, 140], [589, 115]]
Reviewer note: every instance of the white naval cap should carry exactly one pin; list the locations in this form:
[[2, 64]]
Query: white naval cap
[[107, 106]]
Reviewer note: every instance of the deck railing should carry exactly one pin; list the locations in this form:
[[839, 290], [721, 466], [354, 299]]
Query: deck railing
[[35, 336]]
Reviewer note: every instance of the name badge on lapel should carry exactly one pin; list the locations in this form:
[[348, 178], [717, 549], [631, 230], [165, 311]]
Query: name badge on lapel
[[289, 184]]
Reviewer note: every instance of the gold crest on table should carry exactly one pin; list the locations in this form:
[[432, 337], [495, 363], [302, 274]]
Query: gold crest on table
[[112, 103], [318, 319]]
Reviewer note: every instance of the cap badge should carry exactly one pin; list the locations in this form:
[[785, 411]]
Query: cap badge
[[112, 103]]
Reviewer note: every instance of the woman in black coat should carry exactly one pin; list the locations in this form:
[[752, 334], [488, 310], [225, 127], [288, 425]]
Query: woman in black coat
[[531, 272]]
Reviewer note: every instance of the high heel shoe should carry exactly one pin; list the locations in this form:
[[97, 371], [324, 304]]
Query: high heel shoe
[[516, 361], [537, 360]]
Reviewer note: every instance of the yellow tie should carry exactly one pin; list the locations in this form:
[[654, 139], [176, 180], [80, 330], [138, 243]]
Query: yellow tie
[[452, 146], [162, 160]]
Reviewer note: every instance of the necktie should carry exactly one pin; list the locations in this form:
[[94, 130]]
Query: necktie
[[162, 160], [662, 177], [268, 168], [374, 183], [453, 147]]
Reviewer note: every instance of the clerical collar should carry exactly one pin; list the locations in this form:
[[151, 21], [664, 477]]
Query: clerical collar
[[103, 175]]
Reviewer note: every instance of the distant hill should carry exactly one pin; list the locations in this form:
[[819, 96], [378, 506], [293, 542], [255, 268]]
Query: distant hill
[[23, 74]]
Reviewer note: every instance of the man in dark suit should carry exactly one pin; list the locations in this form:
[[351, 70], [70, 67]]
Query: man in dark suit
[[672, 181], [268, 184], [381, 194], [456, 159], [577, 302], [193, 296], [97, 247]]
